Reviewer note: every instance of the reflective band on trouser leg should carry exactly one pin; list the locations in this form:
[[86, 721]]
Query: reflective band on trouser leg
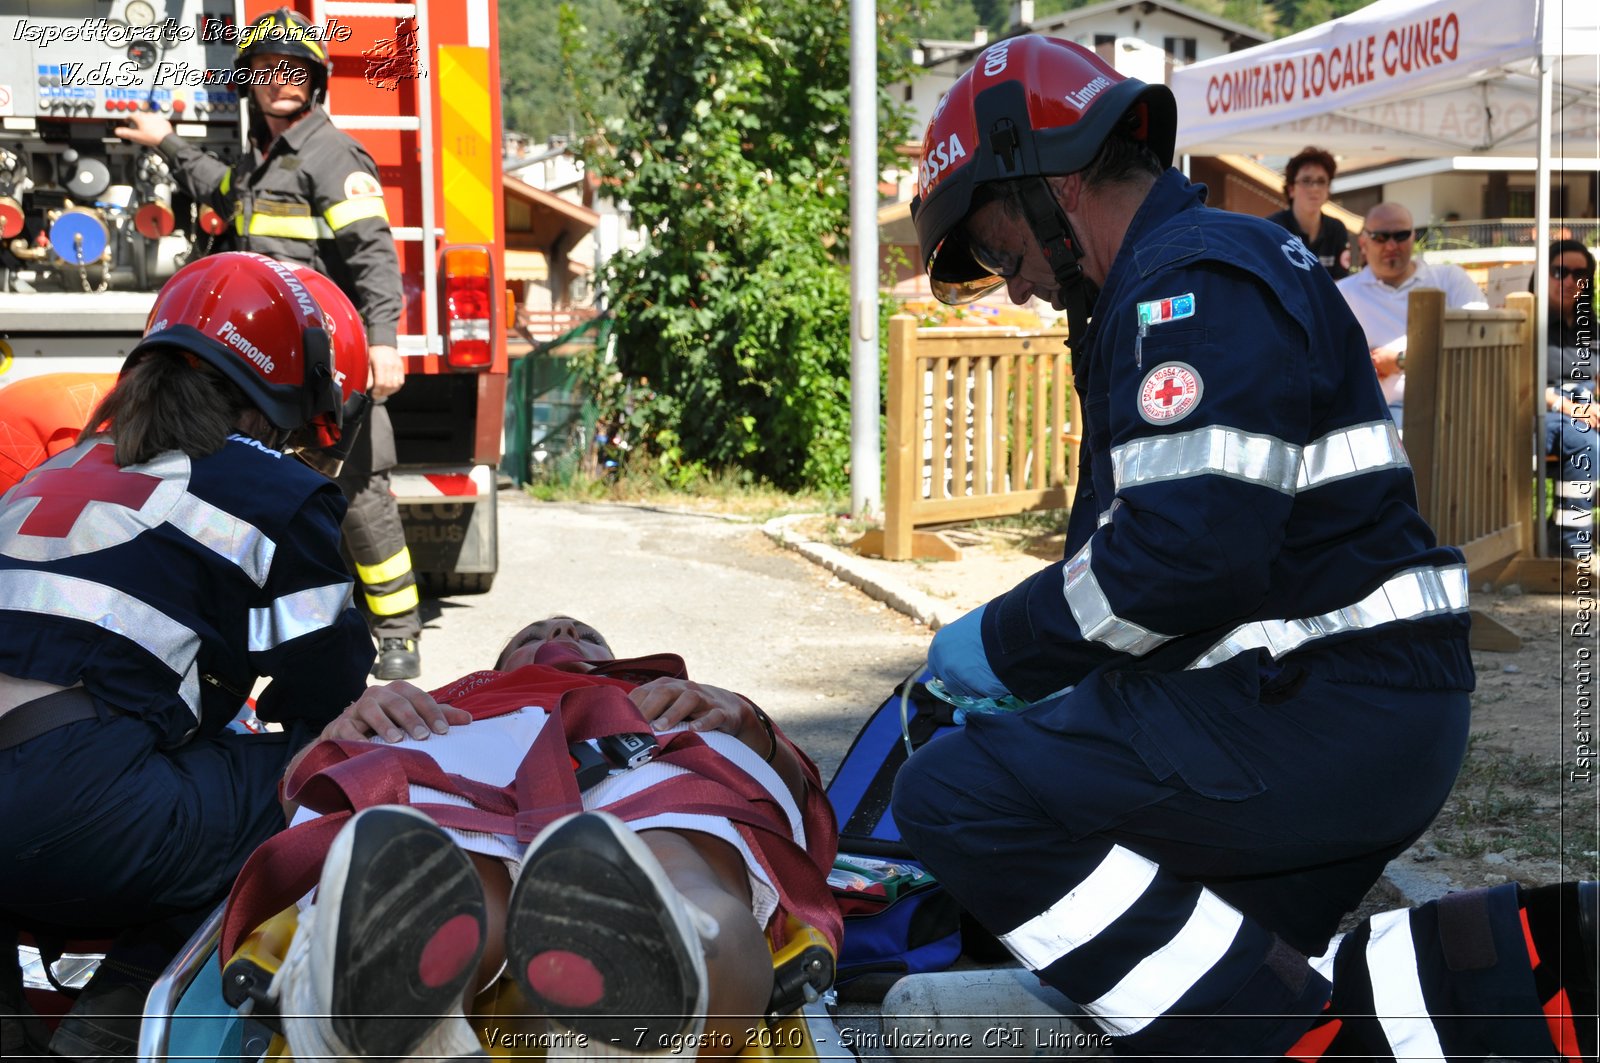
[[1143, 952], [400, 601], [389, 570]]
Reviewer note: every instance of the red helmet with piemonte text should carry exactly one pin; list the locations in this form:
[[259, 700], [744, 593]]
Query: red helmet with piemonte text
[[1030, 106], [348, 337], [257, 323]]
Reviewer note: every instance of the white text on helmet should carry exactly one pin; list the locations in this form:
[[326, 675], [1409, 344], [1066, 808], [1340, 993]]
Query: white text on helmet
[[1081, 98], [940, 158], [302, 295], [231, 337], [994, 60]]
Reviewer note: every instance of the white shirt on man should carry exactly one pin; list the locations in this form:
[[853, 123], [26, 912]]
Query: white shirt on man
[[1381, 308]]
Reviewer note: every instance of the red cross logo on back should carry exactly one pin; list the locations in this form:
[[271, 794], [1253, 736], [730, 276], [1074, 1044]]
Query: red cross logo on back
[[65, 493]]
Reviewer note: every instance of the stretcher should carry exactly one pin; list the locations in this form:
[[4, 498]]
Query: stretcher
[[202, 1010]]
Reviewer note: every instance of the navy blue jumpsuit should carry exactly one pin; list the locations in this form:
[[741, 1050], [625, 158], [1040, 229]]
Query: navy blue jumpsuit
[[1265, 647], [166, 589]]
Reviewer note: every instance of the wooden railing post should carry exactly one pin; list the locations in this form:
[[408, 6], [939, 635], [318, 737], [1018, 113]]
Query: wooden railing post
[[1423, 417], [1529, 418], [900, 475]]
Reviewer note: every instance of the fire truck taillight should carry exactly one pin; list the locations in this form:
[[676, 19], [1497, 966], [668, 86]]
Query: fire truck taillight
[[469, 308]]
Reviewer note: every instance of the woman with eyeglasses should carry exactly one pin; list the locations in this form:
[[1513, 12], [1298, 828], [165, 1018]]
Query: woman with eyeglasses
[[1571, 416], [1305, 186]]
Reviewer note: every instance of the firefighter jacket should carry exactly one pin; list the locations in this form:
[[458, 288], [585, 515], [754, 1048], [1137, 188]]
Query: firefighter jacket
[[168, 587], [313, 199], [1241, 487]]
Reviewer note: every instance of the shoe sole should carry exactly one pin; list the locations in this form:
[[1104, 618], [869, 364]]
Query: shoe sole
[[592, 939], [410, 916]]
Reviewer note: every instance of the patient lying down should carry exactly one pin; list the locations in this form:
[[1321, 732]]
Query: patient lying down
[[477, 827]]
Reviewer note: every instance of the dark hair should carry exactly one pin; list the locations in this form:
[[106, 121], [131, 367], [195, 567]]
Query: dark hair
[[1308, 156], [1123, 155], [1559, 248], [168, 400]]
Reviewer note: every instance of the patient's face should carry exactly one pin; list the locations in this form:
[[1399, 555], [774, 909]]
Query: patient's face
[[580, 638]]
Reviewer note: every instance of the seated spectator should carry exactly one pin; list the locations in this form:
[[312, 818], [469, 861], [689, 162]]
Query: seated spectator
[[626, 923], [40, 416], [1305, 185], [1379, 294], [1571, 417]]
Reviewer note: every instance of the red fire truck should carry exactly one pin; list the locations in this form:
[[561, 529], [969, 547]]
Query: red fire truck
[[91, 226]]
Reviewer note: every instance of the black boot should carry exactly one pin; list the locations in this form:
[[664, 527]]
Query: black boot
[[398, 659]]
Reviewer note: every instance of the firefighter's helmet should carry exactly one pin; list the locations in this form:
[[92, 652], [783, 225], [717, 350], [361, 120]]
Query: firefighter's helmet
[[1030, 106], [285, 32], [348, 339], [258, 324]]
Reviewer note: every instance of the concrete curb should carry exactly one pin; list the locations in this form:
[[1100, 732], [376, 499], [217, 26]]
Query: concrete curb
[[913, 603]]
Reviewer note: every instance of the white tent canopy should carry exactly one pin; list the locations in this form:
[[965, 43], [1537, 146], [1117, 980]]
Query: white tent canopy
[[1404, 79]]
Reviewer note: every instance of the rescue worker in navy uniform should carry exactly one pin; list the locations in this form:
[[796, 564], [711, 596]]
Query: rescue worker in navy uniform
[[309, 194], [1248, 678], [148, 576]]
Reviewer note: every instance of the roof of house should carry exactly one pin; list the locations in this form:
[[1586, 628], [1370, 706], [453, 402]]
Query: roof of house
[[1240, 35]]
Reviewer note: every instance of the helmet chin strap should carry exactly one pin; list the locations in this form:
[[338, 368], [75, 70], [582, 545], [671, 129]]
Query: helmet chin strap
[[1074, 291]]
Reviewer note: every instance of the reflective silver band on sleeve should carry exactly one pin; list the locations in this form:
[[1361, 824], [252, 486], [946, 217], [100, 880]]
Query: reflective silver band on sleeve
[[225, 535], [1259, 459], [54, 594], [1088, 908], [1410, 595], [1092, 610], [1216, 450], [298, 614], [1352, 451]]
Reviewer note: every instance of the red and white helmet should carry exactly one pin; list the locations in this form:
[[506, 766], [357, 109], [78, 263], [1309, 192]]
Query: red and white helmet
[[348, 337], [1030, 106], [256, 322]]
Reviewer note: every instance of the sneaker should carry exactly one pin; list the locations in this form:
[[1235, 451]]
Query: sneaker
[[380, 961], [600, 939], [398, 659]]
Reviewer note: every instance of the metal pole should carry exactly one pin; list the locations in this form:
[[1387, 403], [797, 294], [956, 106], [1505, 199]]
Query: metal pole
[[865, 452]]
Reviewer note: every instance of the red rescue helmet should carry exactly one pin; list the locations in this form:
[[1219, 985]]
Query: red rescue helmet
[[254, 321], [285, 32], [1030, 106], [348, 338]]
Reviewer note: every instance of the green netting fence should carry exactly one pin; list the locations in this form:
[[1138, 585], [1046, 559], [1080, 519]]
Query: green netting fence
[[549, 422]]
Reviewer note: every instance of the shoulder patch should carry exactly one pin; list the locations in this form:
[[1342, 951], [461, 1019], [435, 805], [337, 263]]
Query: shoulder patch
[[1169, 393], [362, 185], [1160, 311]]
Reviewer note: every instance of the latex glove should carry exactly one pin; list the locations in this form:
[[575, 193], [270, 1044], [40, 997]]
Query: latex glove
[[956, 657]]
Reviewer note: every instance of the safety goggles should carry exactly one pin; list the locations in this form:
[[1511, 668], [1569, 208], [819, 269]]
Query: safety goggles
[[1000, 263], [1560, 273], [1386, 236]]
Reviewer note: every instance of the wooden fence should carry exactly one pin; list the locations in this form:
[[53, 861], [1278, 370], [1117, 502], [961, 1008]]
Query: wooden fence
[[982, 423], [1469, 425]]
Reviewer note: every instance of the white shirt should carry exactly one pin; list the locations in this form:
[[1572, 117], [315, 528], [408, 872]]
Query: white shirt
[[1381, 308]]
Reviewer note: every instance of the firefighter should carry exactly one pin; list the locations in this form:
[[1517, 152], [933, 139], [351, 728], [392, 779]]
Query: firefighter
[[1249, 674], [308, 193], [149, 575]]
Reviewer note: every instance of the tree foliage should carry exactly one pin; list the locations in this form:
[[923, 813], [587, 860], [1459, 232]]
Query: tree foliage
[[731, 147]]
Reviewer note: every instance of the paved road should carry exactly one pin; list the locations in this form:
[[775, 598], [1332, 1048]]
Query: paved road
[[743, 612]]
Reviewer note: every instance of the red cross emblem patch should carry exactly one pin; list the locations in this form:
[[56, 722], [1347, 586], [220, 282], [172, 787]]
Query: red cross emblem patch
[[83, 501], [1169, 393]]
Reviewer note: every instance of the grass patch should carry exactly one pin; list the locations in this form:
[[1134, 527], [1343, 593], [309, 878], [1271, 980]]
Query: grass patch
[[1518, 805], [732, 492]]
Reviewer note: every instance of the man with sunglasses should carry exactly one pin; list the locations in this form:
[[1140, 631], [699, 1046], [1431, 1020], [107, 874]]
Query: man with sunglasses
[[1379, 294], [1247, 679]]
